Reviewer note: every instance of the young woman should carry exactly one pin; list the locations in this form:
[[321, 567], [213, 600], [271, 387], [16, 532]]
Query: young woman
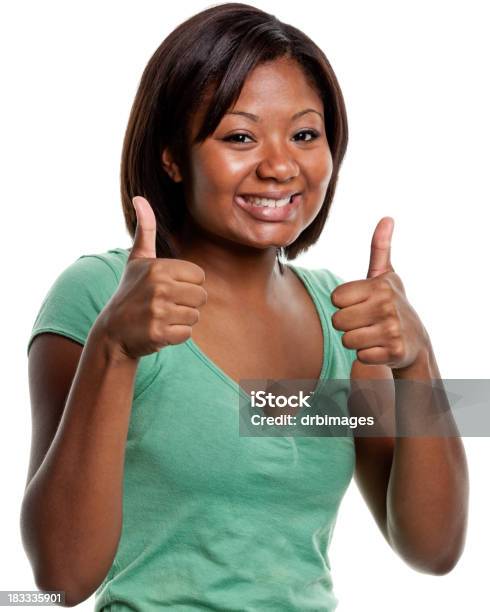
[[140, 488]]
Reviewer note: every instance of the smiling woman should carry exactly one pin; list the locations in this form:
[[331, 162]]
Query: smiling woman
[[140, 488], [211, 80]]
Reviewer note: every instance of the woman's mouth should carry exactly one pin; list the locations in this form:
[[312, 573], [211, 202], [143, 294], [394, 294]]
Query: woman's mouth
[[269, 209]]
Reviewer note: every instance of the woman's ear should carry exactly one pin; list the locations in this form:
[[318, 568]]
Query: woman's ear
[[170, 167]]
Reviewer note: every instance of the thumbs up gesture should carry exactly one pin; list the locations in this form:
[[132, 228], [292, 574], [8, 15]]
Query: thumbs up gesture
[[158, 300], [378, 321]]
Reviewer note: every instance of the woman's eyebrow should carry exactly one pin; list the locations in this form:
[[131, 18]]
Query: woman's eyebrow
[[257, 118]]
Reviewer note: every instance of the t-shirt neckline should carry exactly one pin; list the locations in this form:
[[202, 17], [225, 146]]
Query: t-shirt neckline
[[326, 335]]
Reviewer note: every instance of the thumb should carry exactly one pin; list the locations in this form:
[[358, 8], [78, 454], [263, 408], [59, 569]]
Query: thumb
[[379, 261], [146, 230]]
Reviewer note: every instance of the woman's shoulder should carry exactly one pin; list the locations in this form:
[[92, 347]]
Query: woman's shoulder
[[115, 259], [91, 270], [321, 278], [78, 294]]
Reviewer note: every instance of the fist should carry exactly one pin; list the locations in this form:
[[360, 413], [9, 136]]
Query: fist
[[378, 321], [158, 300]]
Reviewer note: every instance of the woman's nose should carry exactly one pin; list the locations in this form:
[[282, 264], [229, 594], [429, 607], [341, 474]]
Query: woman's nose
[[278, 163]]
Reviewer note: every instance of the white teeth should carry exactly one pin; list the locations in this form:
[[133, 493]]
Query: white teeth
[[270, 203]]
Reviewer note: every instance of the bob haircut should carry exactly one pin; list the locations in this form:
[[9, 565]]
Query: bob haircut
[[207, 59]]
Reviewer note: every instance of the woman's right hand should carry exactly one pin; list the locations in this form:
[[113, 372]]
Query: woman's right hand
[[158, 300]]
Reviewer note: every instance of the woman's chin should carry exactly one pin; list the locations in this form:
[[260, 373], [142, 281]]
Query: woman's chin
[[267, 244]]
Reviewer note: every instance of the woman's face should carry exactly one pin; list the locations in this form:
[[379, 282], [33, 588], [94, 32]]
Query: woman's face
[[281, 151]]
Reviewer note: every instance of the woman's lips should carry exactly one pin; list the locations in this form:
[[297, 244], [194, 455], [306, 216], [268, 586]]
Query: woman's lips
[[264, 213]]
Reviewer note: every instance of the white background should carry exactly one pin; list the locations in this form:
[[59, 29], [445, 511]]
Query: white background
[[415, 80]]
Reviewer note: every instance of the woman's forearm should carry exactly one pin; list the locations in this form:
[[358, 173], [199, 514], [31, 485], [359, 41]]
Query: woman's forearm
[[72, 509], [428, 490]]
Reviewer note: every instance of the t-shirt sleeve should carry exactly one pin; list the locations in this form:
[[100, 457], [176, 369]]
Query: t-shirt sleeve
[[75, 299]]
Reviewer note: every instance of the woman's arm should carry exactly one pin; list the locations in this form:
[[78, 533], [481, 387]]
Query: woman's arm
[[71, 513], [416, 487]]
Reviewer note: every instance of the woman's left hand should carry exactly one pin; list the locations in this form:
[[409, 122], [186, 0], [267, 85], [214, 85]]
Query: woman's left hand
[[378, 321]]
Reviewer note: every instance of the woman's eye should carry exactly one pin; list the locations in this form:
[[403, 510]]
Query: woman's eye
[[229, 138], [311, 133], [234, 137]]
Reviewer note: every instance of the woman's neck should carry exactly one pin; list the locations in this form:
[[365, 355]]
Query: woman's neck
[[234, 272]]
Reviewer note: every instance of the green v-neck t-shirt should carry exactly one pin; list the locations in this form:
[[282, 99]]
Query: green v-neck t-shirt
[[212, 520]]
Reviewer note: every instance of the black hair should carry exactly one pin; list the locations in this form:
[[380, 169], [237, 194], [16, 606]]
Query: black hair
[[208, 57]]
